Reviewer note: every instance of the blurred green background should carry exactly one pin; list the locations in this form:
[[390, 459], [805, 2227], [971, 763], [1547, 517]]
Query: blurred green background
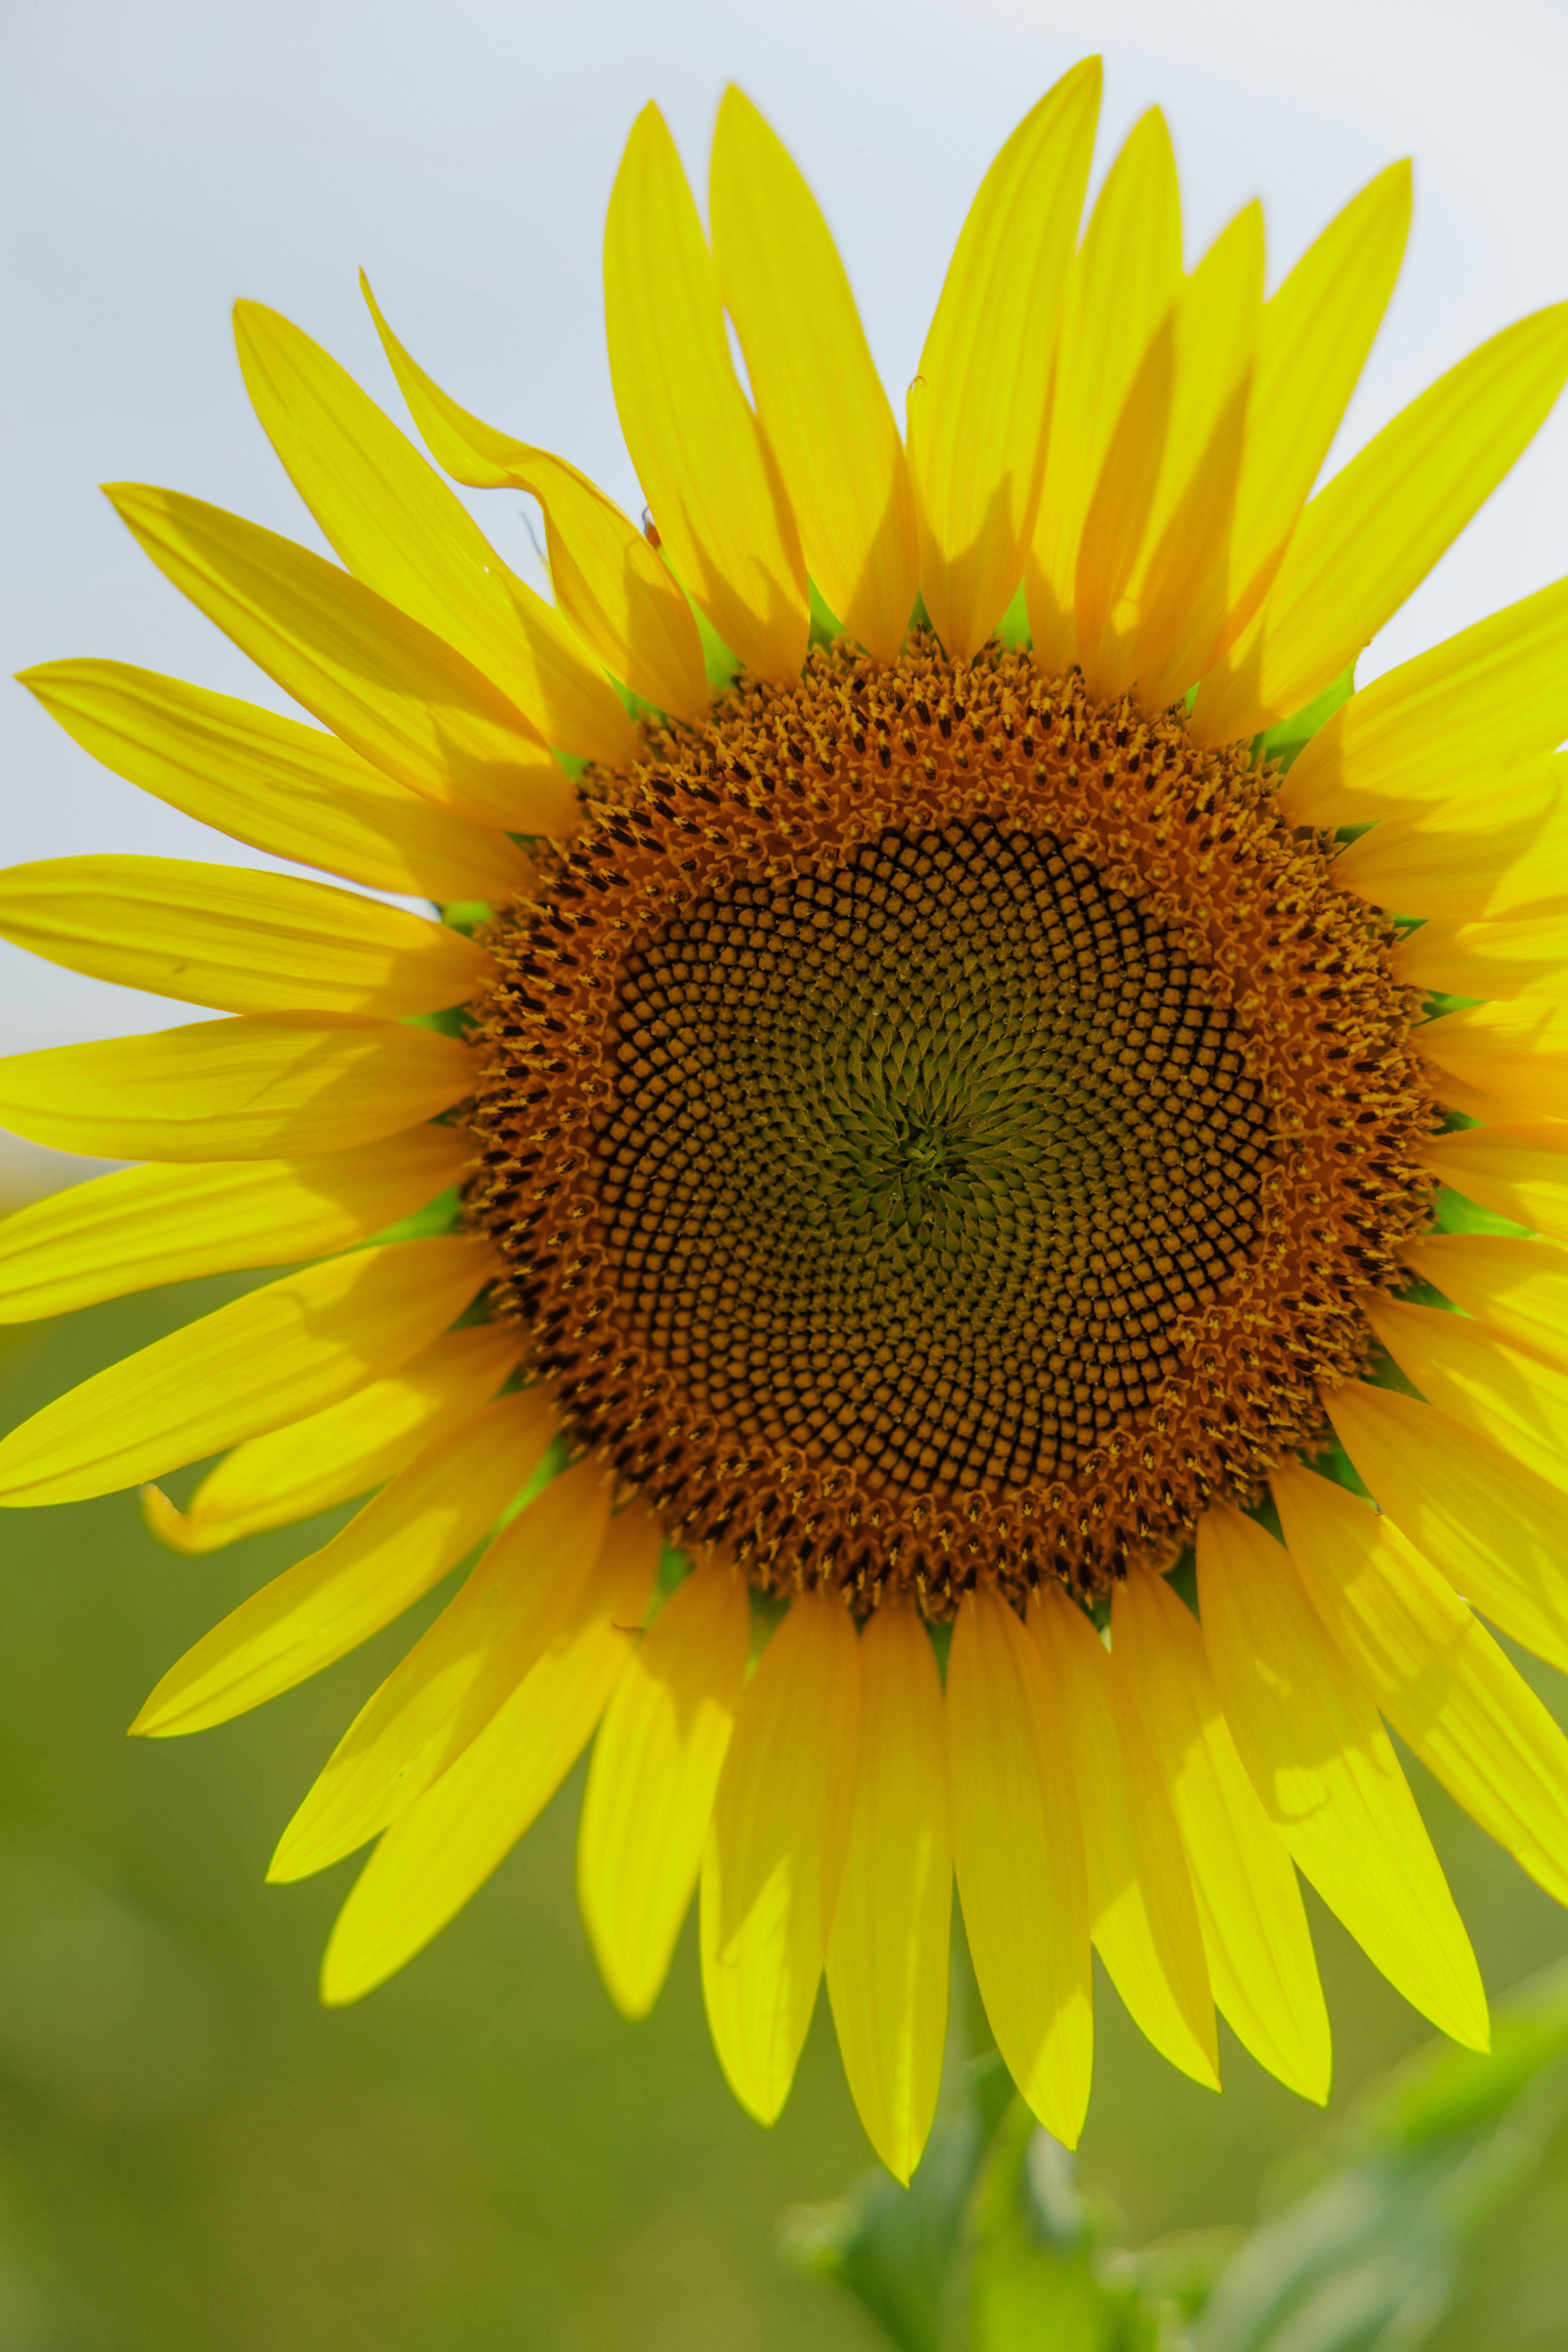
[[192, 2154]]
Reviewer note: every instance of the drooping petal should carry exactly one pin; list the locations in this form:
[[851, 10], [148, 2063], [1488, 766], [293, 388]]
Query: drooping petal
[[978, 406], [1125, 285], [345, 1450], [1017, 1848], [278, 785], [1516, 1288], [397, 695], [1517, 1052], [1255, 1931], [1436, 1674], [264, 1359], [1321, 1760], [1518, 1402], [146, 1225], [1497, 1532], [1519, 1171], [401, 531], [608, 581], [1447, 722], [240, 940], [263, 1087], [416, 1529], [819, 402], [436, 1855], [651, 1783], [1143, 1919], [1372, 536], [1492, 959], [887, 1955], [704, 466], [776, 1849], [535, 1586]]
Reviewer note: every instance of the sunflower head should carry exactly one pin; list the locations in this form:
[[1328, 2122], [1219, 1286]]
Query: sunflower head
[[959, 1217]]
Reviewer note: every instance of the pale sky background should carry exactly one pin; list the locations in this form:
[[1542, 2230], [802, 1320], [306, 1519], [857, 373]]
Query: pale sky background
[[159, 157]]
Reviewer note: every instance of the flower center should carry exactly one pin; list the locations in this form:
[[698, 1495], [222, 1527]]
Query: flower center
[[939, 1127]]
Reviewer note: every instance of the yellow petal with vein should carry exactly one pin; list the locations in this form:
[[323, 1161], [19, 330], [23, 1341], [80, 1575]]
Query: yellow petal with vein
[[609, 582], [401, 531], [398, 695], [1519, 1171], [651, 1782], [405, 1540], [1518, 1401], [1123, 286], [1255, 1933], [272, 1087], [1497, 1532], [1372, 534], [1447, 722], [1017, 1848], [1465, 859], [1321, 1760], [229, 936], [440, 1851], [280, 1351], [887, 1955], [146, 1225], [1516, 1052], [818, 399], [776, 1849], [978, 409], [278, 785], [1527, 958], [703, 465], [531, 1588], [1518, 1288], [1313, 340], [345, 1450], [1143, 1919], [1436, 1674]]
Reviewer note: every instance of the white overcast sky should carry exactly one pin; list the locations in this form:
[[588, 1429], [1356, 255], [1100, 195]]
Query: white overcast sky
[[159, 157]]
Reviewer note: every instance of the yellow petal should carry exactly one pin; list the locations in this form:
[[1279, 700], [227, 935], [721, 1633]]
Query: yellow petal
[[527, 1591], [1124, 284], [345, 1450], [229, 936], [280, 1351], [703, 465], [416, 1529], [655, 1768], [1520, 1403], [1516, 1288], [1518, 1172], [1250, 1906], [1529, 958], [1017, 1848], [1465, 859], [1143, 1918], [1436, 1674], [818, 399], [1516, 1052], [147, 1225], [1445, 723], [271, 781], [1180, 588], [887, 1955], [396, 694], [1497, 1532], [978, 409], [609, 582], [1315, 335], [1321, 1760], [444, 1848], [269, 1087], [399, 530], [776, 1849], [1372, 536]]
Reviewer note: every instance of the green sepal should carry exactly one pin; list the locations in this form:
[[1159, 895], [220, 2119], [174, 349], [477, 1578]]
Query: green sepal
[[1288, 737]]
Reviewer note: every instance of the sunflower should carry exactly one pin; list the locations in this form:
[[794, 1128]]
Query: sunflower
[[964, 1205]]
